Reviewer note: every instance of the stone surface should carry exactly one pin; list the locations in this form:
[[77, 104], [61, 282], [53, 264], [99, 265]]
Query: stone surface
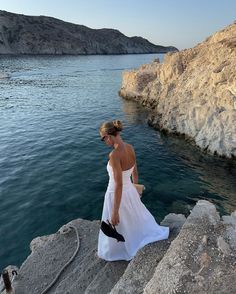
[[199, 257], [4, 75], [141, 268], [192, 93], [52, 252], [87, 273], [174, 221], [230, 229], [200, 260], [107, 278], [21, 34]]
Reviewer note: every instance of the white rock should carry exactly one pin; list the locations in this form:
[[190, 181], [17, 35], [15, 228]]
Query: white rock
[[193, 92]]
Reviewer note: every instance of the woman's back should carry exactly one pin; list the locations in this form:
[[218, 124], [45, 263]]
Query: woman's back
[[126, 156]]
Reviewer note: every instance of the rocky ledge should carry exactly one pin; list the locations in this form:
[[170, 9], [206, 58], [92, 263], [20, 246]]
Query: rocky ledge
[[199, 257], [22, 34], [192, 93]]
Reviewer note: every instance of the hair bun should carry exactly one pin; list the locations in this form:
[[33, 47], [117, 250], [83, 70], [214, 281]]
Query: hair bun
[[118, 125]]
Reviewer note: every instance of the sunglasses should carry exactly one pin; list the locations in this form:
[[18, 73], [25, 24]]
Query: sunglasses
[[103, 138]]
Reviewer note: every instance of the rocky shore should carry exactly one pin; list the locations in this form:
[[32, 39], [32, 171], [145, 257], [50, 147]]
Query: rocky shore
[[22, 34], [199, 257], [192, 93]]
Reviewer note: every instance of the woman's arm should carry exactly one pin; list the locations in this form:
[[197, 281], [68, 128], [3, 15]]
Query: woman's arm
[[135, 174], [135, 170], [117, 172]]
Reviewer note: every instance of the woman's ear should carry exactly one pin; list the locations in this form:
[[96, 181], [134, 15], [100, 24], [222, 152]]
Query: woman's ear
[[111, 138]]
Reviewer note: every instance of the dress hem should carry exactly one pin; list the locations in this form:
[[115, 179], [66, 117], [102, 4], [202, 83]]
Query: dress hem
[[142, 244]]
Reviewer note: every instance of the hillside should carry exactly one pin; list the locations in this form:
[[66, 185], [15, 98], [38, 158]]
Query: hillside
[[21, 34]]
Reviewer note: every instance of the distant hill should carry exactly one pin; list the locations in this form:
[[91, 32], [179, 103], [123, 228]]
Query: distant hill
[[21, 34]]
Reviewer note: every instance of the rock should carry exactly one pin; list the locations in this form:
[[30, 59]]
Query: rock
[[38, 242], [21, 34], [141, 268], [192, 93], [4, 75], [199, 257], [223, 246], [51, 253], [199, 260], [107, 278], [230, 229], [86, 273], [174, 221]]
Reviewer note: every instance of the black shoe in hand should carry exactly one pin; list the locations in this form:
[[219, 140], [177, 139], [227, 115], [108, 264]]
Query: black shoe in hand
[[110, 231]]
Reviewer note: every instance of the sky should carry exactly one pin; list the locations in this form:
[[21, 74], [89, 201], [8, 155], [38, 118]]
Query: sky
[[179, 23]]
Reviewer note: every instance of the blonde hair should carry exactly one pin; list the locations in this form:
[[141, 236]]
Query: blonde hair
[[111, 127]]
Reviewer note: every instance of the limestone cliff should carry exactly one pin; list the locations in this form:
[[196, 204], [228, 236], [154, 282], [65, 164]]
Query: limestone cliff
[[21, 34], [193, 92]]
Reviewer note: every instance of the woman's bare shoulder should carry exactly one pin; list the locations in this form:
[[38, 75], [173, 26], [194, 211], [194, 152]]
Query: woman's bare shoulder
[[130, 147], [114, 158], [113, 154]]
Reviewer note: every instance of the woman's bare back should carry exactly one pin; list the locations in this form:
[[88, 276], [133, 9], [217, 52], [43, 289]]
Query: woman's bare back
[[126, 155]]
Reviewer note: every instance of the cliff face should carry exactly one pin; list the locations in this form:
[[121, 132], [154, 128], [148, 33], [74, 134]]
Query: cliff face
[[193, 92], [21, 34]]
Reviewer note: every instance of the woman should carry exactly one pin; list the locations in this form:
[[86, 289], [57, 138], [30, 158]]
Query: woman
[[122, 204]]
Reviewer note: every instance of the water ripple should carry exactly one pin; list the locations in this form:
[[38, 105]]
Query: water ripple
[[53, 164]]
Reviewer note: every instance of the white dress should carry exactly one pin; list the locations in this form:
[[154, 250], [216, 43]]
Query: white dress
[[137, 225]]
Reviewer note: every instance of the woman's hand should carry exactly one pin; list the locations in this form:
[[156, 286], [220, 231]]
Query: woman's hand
[[115, 219]]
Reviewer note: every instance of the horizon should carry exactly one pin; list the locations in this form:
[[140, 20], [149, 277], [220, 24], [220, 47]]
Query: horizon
[[182, 25]]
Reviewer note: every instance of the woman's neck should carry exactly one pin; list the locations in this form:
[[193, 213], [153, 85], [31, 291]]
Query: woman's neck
[[119, 143]]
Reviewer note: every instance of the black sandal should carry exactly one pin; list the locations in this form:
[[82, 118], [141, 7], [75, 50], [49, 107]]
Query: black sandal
[[110, 231]]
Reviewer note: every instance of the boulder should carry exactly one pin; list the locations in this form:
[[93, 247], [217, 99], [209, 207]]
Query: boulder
[[202, 258]]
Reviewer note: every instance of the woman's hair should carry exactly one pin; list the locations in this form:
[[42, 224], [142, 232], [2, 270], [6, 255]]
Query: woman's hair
[[111, 127]]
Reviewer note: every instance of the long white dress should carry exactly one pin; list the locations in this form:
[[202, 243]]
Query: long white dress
[[137, 224]]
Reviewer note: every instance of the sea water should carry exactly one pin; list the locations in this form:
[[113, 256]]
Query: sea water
[[53, 163]]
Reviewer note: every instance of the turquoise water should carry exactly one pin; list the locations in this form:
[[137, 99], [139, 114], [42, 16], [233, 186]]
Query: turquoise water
[[53, 164]]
